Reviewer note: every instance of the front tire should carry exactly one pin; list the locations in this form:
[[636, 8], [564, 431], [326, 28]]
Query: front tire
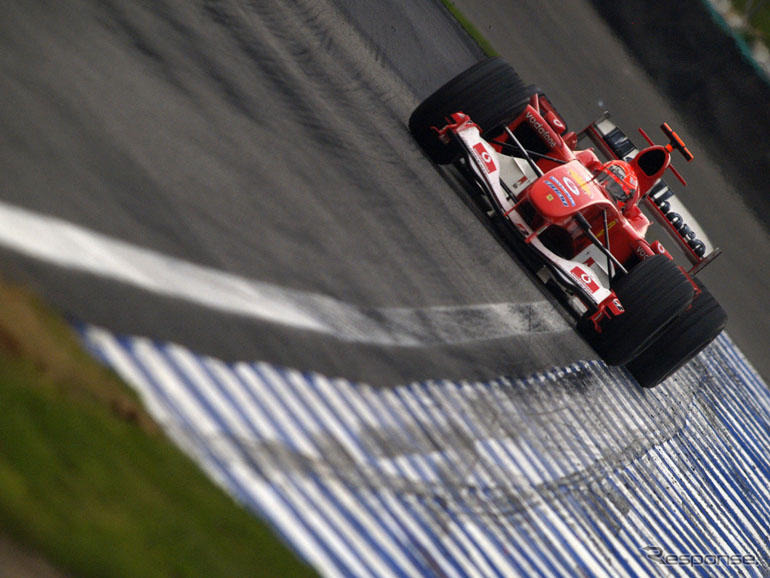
[[489, 92], [653, 294], [681, 341]]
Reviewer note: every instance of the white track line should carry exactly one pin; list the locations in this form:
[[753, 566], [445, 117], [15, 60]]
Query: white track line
[[65, 244]]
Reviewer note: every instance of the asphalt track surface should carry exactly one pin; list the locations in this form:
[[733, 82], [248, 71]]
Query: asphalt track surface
[[269, 142]]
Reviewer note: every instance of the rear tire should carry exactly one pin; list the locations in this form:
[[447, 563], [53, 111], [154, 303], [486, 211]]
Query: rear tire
[[489, 92], [681, 341], [653, 294]]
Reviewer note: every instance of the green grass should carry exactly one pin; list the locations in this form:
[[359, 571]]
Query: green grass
[[758, 18], [472, 31], [759, 23], [89, 482]]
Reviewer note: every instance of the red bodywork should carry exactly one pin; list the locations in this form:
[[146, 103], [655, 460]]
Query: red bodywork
[[568, 186], [581, 215], [564, 209]]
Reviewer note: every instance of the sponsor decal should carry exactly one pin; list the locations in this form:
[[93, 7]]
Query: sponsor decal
[[572, 186], [485, 157], [584, 187], [600, 232], [563, 193], [683, 229], [549, 198], [540, 129], [585, 278], [558, 192]]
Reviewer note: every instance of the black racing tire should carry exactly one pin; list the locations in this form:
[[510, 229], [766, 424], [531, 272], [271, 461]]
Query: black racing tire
[[489, 92], [653, 294], [680, 341]]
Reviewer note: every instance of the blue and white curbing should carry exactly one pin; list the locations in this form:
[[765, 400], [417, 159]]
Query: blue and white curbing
[[568, 472]]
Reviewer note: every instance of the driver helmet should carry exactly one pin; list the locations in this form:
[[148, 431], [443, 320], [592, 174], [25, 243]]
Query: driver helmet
[[619, 180]]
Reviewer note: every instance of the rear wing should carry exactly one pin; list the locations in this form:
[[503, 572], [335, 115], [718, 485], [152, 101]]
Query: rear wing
[[661, 200]]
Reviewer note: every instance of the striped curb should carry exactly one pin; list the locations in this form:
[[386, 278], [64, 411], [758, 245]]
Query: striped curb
[[569, 472]]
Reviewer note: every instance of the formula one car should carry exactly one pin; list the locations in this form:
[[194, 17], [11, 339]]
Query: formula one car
[[578, 217]]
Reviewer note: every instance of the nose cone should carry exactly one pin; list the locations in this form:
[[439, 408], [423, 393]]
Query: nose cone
[[561, 192]]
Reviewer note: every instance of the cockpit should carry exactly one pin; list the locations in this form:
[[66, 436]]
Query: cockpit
[[619, 180]]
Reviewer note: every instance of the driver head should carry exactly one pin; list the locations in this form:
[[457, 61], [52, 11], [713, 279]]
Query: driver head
[[619, 180]]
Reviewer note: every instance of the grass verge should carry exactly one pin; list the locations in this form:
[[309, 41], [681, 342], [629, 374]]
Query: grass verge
[[469, 28], [757, 15], [89, 482]]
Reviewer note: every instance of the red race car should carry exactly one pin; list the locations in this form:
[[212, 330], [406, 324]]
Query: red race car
[[579, 217]]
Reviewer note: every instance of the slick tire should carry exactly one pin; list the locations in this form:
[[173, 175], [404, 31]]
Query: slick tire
[[682, 340], [489, 92], [653, 294]]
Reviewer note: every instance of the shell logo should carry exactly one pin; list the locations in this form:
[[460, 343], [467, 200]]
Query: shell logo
[[571, 185], [581, 184]]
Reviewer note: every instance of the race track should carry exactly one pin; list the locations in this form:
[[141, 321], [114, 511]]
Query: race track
[[292, 170], [237, 178], [269, 143]]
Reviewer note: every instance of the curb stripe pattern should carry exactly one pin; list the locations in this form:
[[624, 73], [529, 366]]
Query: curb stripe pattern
[[569, 472]]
